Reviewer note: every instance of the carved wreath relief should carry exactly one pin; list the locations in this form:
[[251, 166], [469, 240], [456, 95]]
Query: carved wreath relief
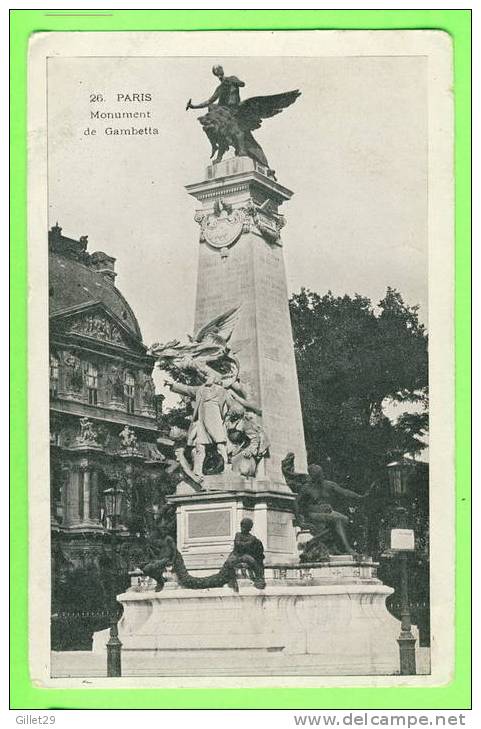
[[222, 228]]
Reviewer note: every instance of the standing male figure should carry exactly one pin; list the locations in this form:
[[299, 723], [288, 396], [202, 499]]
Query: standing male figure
[[208, 418]]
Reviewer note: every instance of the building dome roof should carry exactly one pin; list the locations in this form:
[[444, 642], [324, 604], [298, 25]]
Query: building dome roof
[[77, 277]]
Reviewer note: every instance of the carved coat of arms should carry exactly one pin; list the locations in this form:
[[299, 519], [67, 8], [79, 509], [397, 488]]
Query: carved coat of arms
[[222, 228]]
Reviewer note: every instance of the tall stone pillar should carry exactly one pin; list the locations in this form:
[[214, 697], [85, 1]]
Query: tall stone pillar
[[241, 264]]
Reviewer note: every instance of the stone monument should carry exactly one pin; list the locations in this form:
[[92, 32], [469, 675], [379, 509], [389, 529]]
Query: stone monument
[[245, 397], [241, 270], [183, 615]]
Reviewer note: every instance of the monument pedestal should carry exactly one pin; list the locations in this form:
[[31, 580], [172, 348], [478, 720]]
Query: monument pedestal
[[328, 619], [310, 619], [207, 521], [241, 269]]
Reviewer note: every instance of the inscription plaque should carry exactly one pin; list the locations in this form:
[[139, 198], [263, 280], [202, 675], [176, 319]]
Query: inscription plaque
[[212, 523], [277, 525], [402, 540]]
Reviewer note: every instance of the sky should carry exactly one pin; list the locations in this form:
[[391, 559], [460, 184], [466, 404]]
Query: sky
[[353, 148]]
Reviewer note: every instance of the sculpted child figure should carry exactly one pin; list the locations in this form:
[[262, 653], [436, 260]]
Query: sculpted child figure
[[248, 550], [161, 553]]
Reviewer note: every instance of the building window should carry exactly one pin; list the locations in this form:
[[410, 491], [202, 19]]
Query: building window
[[81, 495], [129, 392], [54, 438], [54, 375], [92, 378]]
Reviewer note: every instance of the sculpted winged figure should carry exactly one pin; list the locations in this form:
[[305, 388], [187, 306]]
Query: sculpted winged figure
[[207, 352], [230, 121], [221, 404]]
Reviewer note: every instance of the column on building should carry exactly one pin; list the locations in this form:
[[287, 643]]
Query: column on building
[[81, 498]]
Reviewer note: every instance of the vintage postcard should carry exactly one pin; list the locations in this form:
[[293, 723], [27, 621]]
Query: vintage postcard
[[241, 376]]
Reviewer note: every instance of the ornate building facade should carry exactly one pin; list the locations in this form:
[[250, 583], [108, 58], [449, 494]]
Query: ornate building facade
[[103, 426]]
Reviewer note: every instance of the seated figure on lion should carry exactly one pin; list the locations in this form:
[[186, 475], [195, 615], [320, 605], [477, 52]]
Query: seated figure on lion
[[230, 122]]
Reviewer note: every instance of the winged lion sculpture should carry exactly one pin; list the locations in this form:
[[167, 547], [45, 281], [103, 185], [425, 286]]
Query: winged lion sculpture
[[230, 121]]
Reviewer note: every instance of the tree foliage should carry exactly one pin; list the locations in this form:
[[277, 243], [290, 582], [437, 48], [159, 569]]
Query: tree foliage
[[353, 359]]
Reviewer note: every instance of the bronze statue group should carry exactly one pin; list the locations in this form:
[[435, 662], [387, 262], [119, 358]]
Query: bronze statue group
[[222, 411], [230, 122], [313, 513]]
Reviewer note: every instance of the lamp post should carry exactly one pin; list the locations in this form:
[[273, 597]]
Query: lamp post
[[406, 640], [113, 506], [114, 651], [402, 544], [399, 474], [113, 509]]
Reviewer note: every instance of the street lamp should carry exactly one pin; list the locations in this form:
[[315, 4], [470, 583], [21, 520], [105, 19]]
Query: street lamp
[[399, 474], [113, 505], [114, 650], [402, 544]]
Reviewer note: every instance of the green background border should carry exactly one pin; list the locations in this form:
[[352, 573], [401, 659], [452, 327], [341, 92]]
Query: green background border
[[24, 695]]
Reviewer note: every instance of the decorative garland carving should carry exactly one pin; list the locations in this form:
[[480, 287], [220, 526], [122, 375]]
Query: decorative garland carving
[[222, 228]]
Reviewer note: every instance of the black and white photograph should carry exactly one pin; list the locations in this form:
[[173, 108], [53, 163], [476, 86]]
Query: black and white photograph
[[241, 358]]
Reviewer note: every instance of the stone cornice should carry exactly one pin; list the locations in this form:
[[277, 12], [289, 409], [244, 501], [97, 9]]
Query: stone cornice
[[96, 412], [240, 182], [100, 348]]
